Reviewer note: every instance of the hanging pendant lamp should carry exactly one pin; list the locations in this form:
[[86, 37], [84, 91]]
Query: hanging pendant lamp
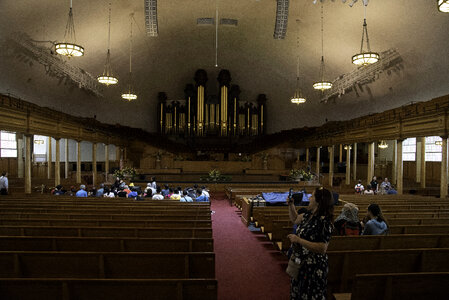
[[107, 78], [297, 98], [69, 47], [322, 84], [443, 6], [365, 57], [129, 94], [383, 145]]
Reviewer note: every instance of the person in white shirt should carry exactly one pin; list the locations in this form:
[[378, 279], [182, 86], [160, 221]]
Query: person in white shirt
[[108, 193], [368, 191], [205, 192], [158, 195], [4, 183], [153, 184], [359, 188]]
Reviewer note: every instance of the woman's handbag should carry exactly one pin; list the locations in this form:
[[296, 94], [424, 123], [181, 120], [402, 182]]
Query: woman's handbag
[[293, 268]]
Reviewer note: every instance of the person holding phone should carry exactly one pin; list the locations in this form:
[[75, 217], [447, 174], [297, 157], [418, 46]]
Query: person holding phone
[[309, 245]]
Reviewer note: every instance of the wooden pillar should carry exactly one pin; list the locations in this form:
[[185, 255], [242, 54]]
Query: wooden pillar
[[394, 164], [443, 184], [117, 153], [20, 162], [348, 165], [121, 158], [28, 141], [423, 163], [57, 162], [418, 159], [340, 159], [94, 163], [370, 161], [399, 167], [78, 162], [318, 163], [66, 166], [49, 158], [354, 164], [331, 165], [106, 160]]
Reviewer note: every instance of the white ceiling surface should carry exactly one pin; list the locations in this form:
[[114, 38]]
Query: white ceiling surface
[[257, 62]]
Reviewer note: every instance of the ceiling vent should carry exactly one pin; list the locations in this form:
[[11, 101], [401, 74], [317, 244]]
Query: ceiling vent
[[229, 22], [205, 21]]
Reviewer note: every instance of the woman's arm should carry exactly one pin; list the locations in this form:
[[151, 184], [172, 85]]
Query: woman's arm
[[293, 214], [320, 248]]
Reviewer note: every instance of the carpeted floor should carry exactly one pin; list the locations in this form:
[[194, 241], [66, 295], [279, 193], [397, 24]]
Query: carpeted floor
[[246, 265]]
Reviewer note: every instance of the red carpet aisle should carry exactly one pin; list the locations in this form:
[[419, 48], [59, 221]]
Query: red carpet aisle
[[246, 266]]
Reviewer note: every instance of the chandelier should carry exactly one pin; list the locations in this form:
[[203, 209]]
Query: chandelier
[[107, 78], [69, 47], [297, 97], [439, 143], [383, 145], [346, 147], [129, 94], [322, 84], [443, 6], [365, 57]]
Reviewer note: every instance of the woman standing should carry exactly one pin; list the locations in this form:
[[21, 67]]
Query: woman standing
[[309, 246]]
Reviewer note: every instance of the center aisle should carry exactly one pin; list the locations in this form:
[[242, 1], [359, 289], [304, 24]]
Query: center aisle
[[246, 266]]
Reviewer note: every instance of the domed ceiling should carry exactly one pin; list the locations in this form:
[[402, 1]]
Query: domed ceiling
[[258, 63]]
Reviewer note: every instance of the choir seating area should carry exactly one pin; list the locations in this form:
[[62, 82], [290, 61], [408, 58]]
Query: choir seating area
[[409, 263], [56, 247]]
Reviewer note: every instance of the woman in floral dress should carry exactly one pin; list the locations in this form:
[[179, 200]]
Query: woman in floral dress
[[309, 246]]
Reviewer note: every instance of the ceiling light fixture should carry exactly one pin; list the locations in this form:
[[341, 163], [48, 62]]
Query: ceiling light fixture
[[383, 145], [365, 57], [107, 78], [129, 95], [322, 84], [346, 147], [69, 47], [439, 143], [443, 6], [297, 97]]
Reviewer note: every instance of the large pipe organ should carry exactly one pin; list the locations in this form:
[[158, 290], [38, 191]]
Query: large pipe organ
[[203, 114]]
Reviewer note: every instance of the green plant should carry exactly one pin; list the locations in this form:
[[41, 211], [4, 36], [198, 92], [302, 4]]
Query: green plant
[[301, 174], [214, 176], [125, 171]]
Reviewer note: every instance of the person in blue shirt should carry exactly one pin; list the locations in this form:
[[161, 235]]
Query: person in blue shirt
[[82, 192], [165, 191], [185, 197], [377, 224], [100, 191], [200, 196], [133, 193]]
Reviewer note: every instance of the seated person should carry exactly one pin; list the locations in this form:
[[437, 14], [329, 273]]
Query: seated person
[[170, 192], [191, 191], [139, 196], [368, 191], [205, 192], [165, 191], [121, 193], [100, 191], [347, 223], [149, 193], [158, 195], [133, 193], [185, 197], [58, 190], [175, 195], [376, 224], [108, 193], [385, 186], [127, 190], [374, 185], [359, 188], [200, 196], [82, 191]]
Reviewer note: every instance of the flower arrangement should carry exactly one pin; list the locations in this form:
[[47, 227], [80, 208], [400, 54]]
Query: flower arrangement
[[125, 172], [301, 174], [214, 176]]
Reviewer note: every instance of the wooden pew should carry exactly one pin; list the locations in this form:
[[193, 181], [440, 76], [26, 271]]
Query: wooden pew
[[105, 244], [117, 289], [147, 217], [146, 265], [79, 231], [391, 286], [109, 223], [344, 265]]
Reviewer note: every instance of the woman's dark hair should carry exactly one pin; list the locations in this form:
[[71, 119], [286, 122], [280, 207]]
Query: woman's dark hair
[[106, 190], [158, 189], [375, 210], [325, 202]]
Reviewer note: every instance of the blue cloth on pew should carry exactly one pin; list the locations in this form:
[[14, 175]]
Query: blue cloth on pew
[[275, 197]]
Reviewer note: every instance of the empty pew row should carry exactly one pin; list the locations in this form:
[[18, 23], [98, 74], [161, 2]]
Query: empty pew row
[[105, 244], [344, 265], [391, 286], [105, 211], [79, 231], [67, 216], [148, 265], [117, 289], [108, 223]]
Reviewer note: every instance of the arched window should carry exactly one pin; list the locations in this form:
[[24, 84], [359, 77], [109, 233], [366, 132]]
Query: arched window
[[409, 149], [433, 148], [8, 145]]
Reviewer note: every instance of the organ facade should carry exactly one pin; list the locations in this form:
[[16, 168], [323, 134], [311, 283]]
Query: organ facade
[[203, 113]]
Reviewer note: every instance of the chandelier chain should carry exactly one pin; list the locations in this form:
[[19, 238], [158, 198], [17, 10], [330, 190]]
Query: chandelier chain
[[109, 30], [131, 44], [216, 33], [322, 44]]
